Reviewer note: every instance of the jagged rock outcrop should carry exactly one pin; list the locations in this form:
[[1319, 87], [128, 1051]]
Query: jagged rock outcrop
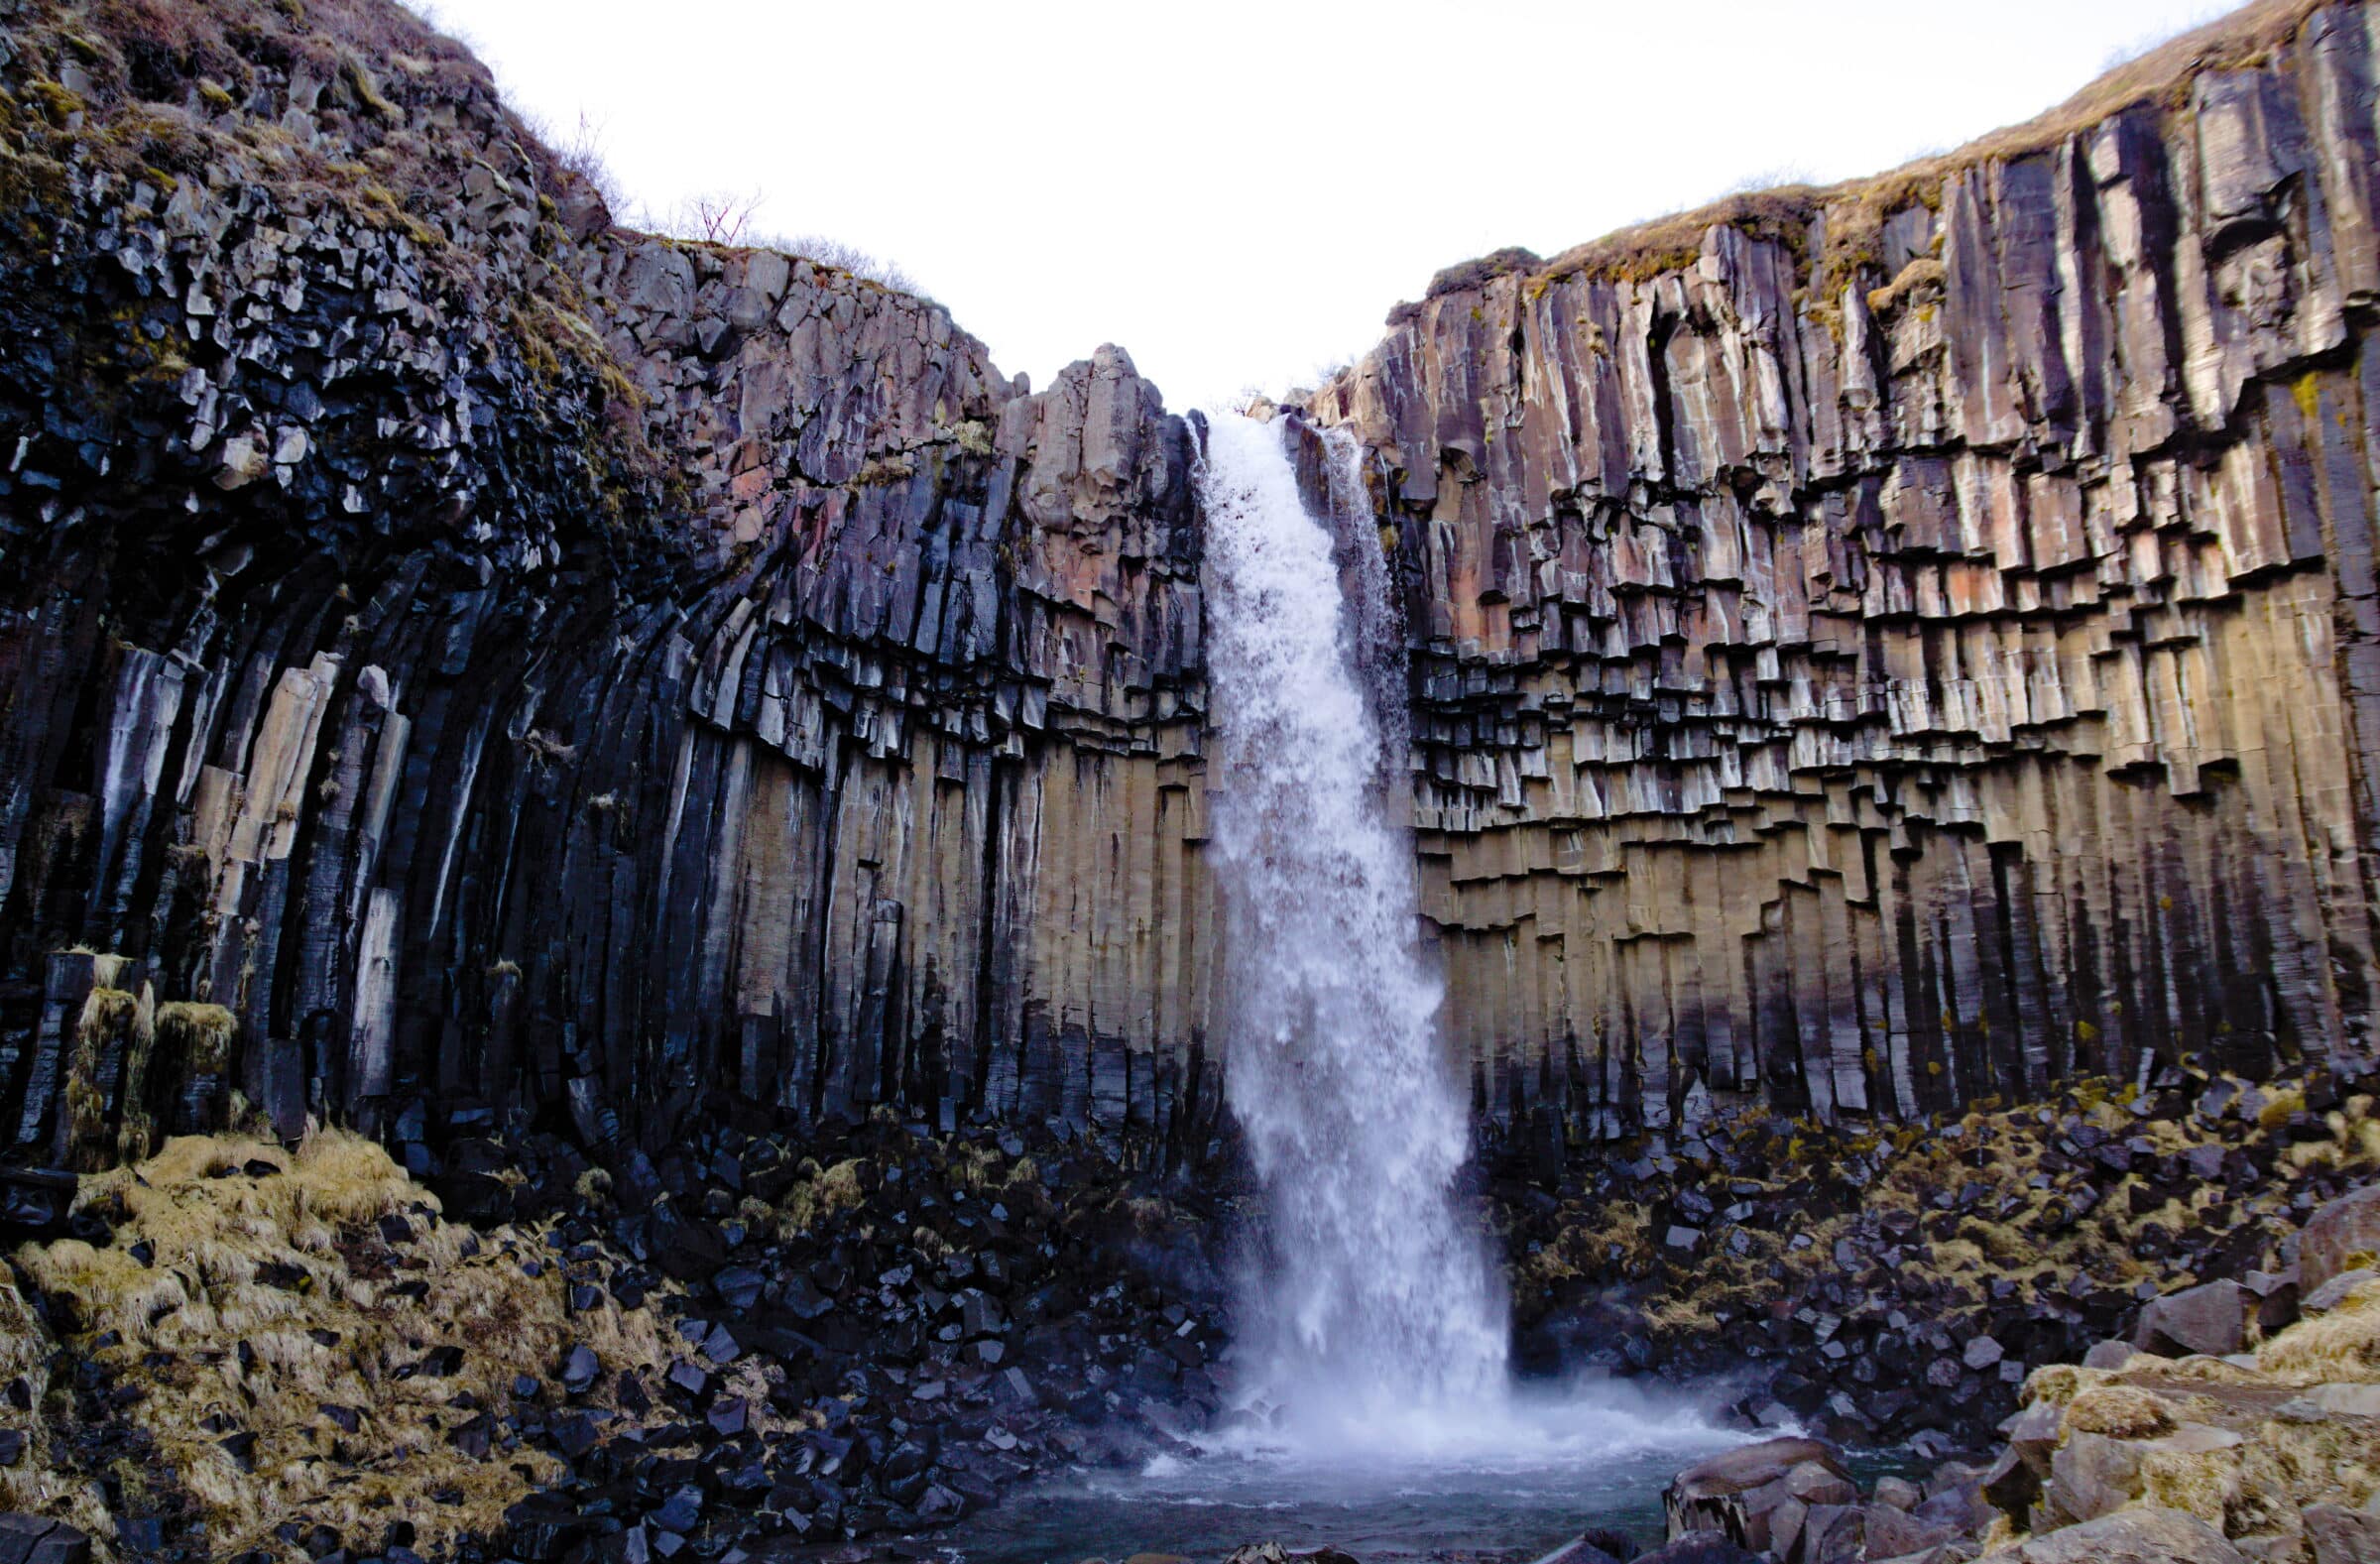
[[1883, 647], [462, 654]]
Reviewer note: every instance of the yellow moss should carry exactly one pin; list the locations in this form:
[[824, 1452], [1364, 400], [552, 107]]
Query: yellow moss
[[1923, 271], [282, 1263], [197, 1037], [2276, 1112], [2119, 1411], [820, 1195], [35, 1483], [2205, 1484], [2057, 1384]]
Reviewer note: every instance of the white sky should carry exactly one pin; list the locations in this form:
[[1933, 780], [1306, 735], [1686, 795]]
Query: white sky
[[1237, 192]]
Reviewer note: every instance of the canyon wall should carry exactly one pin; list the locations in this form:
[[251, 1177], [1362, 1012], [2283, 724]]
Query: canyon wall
[[464, 662], [1881, 647], [460, 655]]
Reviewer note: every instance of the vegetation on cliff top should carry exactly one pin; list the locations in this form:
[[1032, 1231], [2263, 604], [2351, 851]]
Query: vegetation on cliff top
[[1831, 256]]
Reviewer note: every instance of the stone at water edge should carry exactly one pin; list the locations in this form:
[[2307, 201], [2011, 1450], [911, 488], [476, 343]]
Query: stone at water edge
[[1703, 1548], [1736, 1493], [1899, 1492], [1581, 1550]]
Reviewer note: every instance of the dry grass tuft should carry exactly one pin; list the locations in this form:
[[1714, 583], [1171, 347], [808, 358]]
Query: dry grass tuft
[[2342, 1345], [274, 1305], [2118, 1411], [35, 1485]]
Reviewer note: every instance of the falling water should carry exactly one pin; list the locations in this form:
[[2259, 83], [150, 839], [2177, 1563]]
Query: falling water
[[1375, 1325], [1377, 1294]]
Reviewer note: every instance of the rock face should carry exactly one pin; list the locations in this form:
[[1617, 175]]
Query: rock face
[[1913, 640], [461, 662], [458, 653]]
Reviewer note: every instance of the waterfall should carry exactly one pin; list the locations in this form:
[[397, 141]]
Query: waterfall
[[1377, 1298]]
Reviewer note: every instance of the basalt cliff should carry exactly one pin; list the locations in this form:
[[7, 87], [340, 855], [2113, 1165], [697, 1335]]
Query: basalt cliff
[[469, 665]]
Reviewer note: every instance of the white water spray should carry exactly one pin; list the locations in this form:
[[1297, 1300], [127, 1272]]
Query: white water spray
[[1379, 1305]]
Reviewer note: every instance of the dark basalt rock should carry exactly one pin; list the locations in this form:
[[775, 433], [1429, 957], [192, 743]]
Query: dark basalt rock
[[32, 1539], [34, 1202]]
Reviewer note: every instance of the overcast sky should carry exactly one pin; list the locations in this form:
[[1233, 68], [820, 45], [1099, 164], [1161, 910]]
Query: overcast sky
[[1237, 192]]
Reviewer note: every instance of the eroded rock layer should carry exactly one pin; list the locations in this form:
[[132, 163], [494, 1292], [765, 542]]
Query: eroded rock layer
[[1911, 642]]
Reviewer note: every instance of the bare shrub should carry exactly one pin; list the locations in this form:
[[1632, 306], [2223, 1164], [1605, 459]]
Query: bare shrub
[[713, 218], [1778, 178], [848, 258], [580, 152]]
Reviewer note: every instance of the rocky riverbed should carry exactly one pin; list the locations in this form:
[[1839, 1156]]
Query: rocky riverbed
[[821, 1346], [1894, 1287]]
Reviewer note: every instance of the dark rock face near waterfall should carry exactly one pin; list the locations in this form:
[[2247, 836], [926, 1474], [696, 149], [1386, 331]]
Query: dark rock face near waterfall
[[509, 665], [1913, 642]]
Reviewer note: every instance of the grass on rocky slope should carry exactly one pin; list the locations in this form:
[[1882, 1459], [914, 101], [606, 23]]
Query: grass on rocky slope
[[306, 1337], [2244, 1448]]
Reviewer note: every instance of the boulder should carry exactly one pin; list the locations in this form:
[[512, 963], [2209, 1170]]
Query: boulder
[[1583, 1550], [2093, 1475], [2339, 1237], [1733, 1494], [1899, 1492], [2335, 1291], [1700, 1547], [1829, 1534], [2131, 1536], [2211, 1319], [2110, 1354], [35, 1201], [1894, 1534], [37, 1539], [2339, 1536]]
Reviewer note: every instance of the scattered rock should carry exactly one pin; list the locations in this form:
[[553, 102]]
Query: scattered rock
[[2343, 1235], [2135, 1536], [1737, 1493], [2211, 1319]]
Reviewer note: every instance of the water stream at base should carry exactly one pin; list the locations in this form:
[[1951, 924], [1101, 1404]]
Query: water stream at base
[[1372, 1339]]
